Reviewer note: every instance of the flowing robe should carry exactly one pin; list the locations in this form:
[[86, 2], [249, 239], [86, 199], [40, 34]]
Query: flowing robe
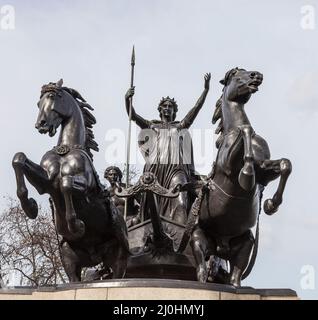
[[168, 153], [167, 149]]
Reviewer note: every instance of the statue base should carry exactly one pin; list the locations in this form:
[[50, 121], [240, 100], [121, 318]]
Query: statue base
[[145, 289], [165, 265]]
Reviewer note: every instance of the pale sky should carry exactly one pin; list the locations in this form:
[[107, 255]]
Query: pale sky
[[88, 44]]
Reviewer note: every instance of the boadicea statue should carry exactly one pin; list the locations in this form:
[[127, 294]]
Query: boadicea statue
[[167, 148], [186, 226], [229, 204], [92, 230]]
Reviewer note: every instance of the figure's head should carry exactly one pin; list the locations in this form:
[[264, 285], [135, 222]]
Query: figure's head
[[113, 174], [168, 108], [240, 84]]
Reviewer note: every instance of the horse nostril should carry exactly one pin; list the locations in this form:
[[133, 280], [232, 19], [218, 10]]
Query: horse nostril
[[40, 124], [253, 74]]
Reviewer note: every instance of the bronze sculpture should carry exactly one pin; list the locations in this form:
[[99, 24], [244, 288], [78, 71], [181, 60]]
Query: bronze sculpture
[[92, 229], [154, 242], [230, 201], [171, 159], [114, 176], [224, 207]]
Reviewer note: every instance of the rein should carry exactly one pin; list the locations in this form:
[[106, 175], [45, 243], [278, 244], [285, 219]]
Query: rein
[[212, 185]]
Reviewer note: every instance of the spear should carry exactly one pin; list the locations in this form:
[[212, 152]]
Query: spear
[[129, 127]]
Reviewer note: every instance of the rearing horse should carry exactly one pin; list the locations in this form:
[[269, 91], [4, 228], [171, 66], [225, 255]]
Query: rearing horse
[[92, 230], [231, 200]]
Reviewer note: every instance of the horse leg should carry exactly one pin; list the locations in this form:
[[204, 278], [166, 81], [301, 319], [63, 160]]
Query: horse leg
[[247, 173], [71, 185], [241, 248], [36, 175], [272, 168], [199, 244], [119, 262], [116, 255], [71, 263]]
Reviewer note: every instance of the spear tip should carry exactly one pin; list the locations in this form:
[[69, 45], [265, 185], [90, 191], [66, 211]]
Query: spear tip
[[133, 56]]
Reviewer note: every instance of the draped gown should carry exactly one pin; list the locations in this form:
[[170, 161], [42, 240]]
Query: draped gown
[[168, 153]]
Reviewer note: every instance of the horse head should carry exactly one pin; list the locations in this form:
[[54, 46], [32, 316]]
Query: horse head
[[239, 84], [55, 106]]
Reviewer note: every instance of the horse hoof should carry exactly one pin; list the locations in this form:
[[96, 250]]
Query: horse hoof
[[30, 208], [269, 207], [236, 283], [202, 275]]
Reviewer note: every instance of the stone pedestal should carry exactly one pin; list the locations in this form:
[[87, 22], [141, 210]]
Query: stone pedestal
[[145, 289]]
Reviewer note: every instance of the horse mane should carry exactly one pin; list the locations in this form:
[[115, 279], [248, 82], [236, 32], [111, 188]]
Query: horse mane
[[89, 120], [218, 115]]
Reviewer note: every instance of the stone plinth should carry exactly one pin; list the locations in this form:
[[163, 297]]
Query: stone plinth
[[145, 289]]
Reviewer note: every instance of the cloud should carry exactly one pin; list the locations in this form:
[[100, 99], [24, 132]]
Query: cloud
[[266, 234], [303, 93]]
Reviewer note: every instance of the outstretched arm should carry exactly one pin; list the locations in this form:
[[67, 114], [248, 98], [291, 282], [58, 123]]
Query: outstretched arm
[[140, 121], [192, 114]]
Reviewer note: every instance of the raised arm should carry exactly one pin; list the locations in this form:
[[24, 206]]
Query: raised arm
[[192, 114], [140, 121]]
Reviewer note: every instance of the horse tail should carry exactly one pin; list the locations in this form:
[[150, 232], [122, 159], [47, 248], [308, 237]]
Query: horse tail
[[255, 248]]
